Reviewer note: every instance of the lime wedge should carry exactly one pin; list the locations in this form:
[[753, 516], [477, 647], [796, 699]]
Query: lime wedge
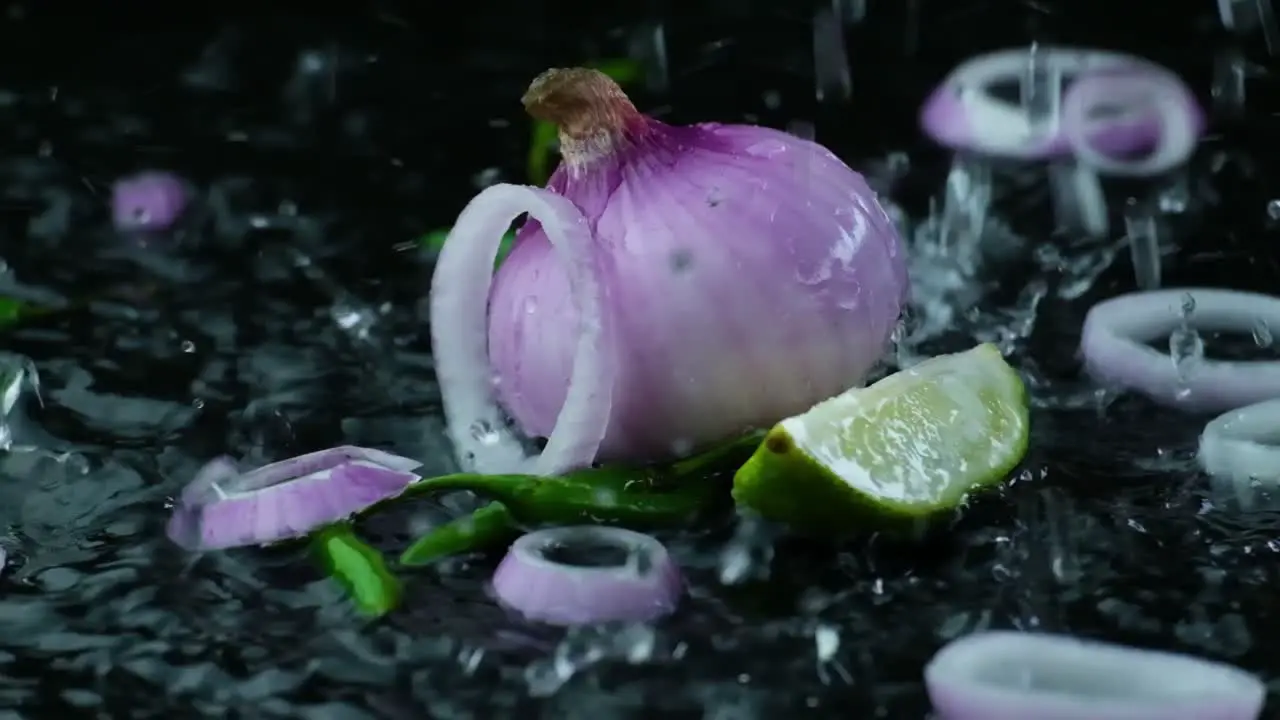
[[890, 455]]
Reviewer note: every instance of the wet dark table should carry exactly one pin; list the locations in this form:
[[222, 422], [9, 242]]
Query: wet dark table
[[344, 133]]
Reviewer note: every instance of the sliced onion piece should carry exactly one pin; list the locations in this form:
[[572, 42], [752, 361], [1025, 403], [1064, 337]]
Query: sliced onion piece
[[1242, 447], [1114, 351], [1004, 675], [1149, 92], [223, 507], [588, 574], [459, 336]]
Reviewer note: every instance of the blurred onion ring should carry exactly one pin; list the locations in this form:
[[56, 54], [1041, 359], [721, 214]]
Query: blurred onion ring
[[1115, 352], [1151, 93], [964, 114], [1005, 675], [1238, 445]]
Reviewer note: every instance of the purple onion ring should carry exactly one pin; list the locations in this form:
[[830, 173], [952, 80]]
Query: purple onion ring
[[1114, 349], [223, 508], [1004, 675], [1148, 94], [538, 580], [149, 201], [963, 114]]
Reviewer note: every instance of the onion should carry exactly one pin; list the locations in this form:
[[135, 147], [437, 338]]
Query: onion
[[223, 508], [1152, 92], [149, 201], [1114, 351], [633, 580], [1239, 448], [674, 287], [1029, 676]]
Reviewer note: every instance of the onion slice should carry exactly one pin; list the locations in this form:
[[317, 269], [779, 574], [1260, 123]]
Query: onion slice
[[1003, 675], [588, 574], [223, 508], [1240, 447], [1114, 351], [459, 336], [1150, 91]]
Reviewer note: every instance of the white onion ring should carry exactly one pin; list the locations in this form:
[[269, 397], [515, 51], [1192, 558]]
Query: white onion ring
[[646, 585], [222, 507], [1114, 331], [459, 335], [1002, 675], [1239, 446], [1154, 88]]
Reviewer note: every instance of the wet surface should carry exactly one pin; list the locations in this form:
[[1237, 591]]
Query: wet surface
[[284, 315]]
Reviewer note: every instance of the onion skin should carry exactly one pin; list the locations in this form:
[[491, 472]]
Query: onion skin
[[751, 274]]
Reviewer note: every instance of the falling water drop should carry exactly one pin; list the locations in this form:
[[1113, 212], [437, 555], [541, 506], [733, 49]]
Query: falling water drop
[[1262, 333], [1143, 234], [1186, 347], [830, 59]]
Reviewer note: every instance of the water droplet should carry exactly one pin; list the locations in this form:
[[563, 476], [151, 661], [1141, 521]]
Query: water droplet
[[1185, 346], [826, 640], [1273, 209], [188, 346], [484, 432], [748, 554], [530, 306], [1262, 334], [682, 447]]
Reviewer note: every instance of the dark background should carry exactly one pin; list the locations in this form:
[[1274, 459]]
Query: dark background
[[415, 102]]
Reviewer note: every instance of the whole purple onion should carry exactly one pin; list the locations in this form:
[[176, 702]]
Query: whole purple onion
[[727, 276]]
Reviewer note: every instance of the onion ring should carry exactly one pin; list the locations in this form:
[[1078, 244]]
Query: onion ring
[[459, 336], [1002, 675], [1239, 446], [150, 201], [223, 508], [1114, 353], [1150, 92], [963, 114], [640, 583]]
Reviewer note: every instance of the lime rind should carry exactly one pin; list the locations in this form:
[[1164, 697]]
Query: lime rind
[[825, 482]]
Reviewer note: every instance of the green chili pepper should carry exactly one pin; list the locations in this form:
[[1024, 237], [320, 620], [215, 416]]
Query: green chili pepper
[[13, 311], [358, 568], [656, 496], [624, 71], [10, 311], [490, 526]]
